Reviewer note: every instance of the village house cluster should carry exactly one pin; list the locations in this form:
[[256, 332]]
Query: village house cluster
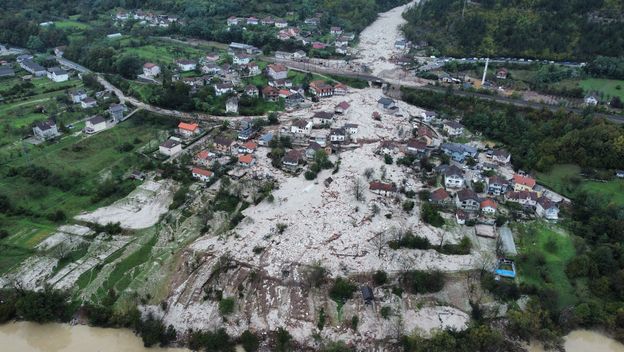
[[307, 33], [229, 79], [147, 18]]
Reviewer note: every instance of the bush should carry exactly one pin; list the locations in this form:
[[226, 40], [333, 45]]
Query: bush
[[388, 159], [342, 290], [386, 311], [226, 306], [380, 277], [354, 322], [283, 338], [310, 175], [249, 341], [321, 321], [431, 216], [408, 205], [416, 281]]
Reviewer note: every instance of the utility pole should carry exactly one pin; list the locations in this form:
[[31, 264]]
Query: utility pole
[[487, 61], [464, 8]]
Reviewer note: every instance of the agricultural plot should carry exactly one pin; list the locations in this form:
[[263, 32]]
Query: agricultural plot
[[69, 176], [566, 179]]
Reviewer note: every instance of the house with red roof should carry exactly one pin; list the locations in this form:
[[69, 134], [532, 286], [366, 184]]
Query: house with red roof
[[488, 206], [246, 160], [202, 174], [522, 183], [188, 129], [383, 188]]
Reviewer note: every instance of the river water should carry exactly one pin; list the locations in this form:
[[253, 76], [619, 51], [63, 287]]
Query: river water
[[33, 337], [586, 341]]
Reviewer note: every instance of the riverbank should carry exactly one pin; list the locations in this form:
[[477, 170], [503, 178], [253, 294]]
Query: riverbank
[[52, 337], [583, 341]]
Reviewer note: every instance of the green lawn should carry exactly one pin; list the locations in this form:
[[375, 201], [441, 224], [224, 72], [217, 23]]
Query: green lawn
[[609, 87], [85, 160], [544, 252], [71, 24], [566, 179], [163, 52]]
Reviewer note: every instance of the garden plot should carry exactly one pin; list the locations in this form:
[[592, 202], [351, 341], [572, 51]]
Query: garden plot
[[141, 209]]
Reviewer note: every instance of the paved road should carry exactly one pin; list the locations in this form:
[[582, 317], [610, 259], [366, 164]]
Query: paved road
[[124, 99], [424, 85]]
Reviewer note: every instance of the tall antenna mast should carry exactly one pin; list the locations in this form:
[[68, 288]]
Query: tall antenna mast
[[487, 61]]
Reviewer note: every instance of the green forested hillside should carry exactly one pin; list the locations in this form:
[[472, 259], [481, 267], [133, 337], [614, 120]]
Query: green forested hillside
[[201, 18], [553, 29]]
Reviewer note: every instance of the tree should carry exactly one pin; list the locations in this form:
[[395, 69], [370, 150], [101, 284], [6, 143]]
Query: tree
[[35, 43], [128, 66], [342, 290], [379, 242], [358, 189], [226, 306], [249, 341]]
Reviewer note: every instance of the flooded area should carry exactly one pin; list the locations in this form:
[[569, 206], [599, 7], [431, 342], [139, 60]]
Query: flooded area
[[33, 337], [586, 340]]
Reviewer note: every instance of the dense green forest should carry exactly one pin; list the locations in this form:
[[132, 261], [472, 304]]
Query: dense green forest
[[203, 19], [538, 140], [549, 29]]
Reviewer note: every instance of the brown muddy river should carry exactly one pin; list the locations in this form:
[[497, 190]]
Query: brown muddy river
[[33, 337], [586, 341]]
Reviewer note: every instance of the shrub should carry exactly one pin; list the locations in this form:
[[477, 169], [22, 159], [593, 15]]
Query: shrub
[[388, 159], [416, 281], [342, 290], [226, 306], [354, 322], [408, 205], [380, 277], [249, 341], [386, 311], [310, 175]]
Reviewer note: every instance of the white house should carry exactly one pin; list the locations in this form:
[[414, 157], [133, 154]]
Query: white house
[[88, 103], [279, 23], [188, 129], [337, 135], [223, 88], [453, 128], [241, 59], [428, 116], [151, 69], [591, 100], [488, 206], [300, 126], [547, 209], [57, 74], [201, 174], [453, 177], [351, 128], [170, 147], [323, 118], [277, 71], [186, 65], [77, 96], [95, 124], [45, 130]]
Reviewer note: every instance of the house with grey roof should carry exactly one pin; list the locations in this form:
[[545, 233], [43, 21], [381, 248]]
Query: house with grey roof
[[46, 130]]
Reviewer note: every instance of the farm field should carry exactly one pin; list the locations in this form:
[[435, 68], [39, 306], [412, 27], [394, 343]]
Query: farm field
[[163, 52], [566, 179], [71, 177], [544, 252], [609, 87]]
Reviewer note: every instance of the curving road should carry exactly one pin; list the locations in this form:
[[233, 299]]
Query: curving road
[[124, 99]]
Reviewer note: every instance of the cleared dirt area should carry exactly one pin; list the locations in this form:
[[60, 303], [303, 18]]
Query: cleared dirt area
[[139, 210]]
